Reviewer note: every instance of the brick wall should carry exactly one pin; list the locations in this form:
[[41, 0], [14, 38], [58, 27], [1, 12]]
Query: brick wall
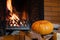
[[52, 10]]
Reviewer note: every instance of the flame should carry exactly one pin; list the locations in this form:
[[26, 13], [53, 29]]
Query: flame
[[9, 6], [24, 15], [14, 17]]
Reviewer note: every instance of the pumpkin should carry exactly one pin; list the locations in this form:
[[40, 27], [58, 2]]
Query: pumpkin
[[42, 27]]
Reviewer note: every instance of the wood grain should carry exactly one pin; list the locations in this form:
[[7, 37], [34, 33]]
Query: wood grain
[[52, 10]]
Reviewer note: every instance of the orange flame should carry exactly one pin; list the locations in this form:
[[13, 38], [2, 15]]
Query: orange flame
[[24, 15], [9, 6], [14, 17]]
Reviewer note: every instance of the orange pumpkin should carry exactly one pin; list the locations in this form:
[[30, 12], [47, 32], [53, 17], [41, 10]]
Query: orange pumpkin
[[43, 27]]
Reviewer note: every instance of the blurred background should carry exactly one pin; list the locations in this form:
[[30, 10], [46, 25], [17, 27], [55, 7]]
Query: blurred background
[[36, 10]]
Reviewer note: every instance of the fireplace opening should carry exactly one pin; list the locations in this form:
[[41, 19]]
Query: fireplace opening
[[17, 15]]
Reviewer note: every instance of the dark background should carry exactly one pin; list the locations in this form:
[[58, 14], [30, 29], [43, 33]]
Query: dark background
[[20, 5]]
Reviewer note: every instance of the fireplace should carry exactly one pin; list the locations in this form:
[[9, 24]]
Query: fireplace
[[17, 19], [20, 14]]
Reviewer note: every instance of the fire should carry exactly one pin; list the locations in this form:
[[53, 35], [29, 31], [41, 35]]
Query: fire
[[24, 15], [14, 18], [9, 6]]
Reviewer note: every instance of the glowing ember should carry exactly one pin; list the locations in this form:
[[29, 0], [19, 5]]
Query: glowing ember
[[14, 19]]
